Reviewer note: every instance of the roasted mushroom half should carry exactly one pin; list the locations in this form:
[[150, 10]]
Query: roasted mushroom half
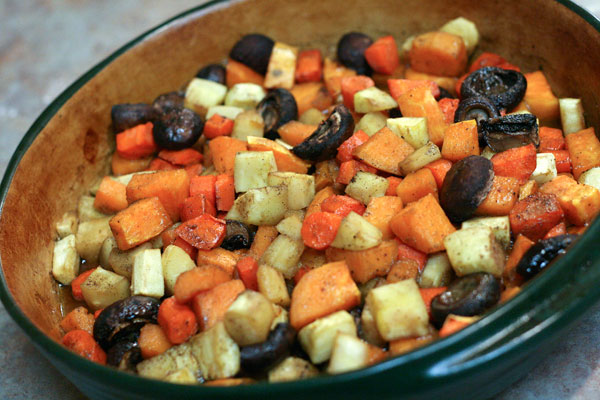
[[505, 88], [177, 128], [212, 72], [277, 108], [351, 52], [125, 116], [259, 357], [510, 131], [543, 253], [238, 235], [253, 50]]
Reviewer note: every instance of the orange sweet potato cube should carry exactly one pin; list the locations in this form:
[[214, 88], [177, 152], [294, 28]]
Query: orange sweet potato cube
[[419, 102], [438, 53], [581, 203], [417, 185], [461, 140], [584, 148], [223, 150], [384, 150], [210, 306], [539, 97], [367, 264], [111, 196], [502, 197], [380, 212]]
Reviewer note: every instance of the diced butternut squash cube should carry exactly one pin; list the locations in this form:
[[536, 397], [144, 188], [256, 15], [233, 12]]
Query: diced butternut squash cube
[[284, 158], [419, 102], [417, 185], [438, 53], [502, 197], [460, 141], [385, 150], [380, 212], [367, 264], [584, 148], [540, 99], [581, 203]]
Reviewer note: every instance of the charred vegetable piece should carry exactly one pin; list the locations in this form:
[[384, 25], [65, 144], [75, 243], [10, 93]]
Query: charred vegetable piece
[[465, 187], [253, 50], [259, 357], [123, 318], [505, 88], [125, 116], [237, 236], [178, 128], [277, 108], [543, 253], [331, 133], [125, 354], [510, 131], [168, 101], [212, 72], [469, 295], [351, 52]]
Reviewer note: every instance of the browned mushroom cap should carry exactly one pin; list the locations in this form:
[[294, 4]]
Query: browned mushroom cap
[[465, 187], [510, 131], [505, 88], [212, 72], [177, 128], [543, 253], [238, 235], [351, 52], [277, 108], [253, 50], [125, 116], [167, 101], [126, 353], [259, 357], [476, 108]]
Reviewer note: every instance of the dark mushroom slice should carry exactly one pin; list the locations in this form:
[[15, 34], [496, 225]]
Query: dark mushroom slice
[[125, 116], [259, 357], [351, 52], [124, 318], [444, 94], [125, 354], [212, 72], [277, 108], [168, 101], [505, 88], [510, 131], [468, 295], [253, 50], [331, 133], [395, 113], [465, 186], [478, 108], [543, 253], [177, 128], [238, 235]]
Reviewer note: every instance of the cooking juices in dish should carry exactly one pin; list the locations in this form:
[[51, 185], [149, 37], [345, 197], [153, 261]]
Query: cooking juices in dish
[[290, 214]]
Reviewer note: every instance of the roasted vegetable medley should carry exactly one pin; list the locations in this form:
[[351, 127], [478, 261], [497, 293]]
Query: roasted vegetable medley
[[293, 212]]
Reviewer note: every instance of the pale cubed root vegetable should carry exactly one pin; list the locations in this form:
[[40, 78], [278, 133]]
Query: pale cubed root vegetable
[[373, 99], [464, 28], [90, 236], [284, 144], [244, 95], [399, 310], [356, 233], [183, 376], [369, 327], [283, 254], [86, 210], [272, 285], [65, 260], [420, 158], [291, 226], [282, 66], [301, 187], [475, 249], [487, 152], [407, 45], [217, 353], [545, 168], [107, 247], [252, 169], [371, 122], [248, 123], [348, 354], [175, 261], [591, 177], [175, 359], [281, 316], [571, 115], [529, 188], [412, 129], [121, 261], [201, 94], [499, 225], [147, 277], [125, 179], [437, 272], [264, 206], [317, 337], [228, 111], [157, 242], [292, 369], [312, 116], [248, 320], [67, 225], [365, 185], [102, 288]]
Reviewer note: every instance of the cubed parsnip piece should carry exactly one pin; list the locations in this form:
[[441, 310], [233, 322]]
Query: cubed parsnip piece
[[364, 186], [356, 233], [281, 316], [121, 261], [499, 225], [591, 177], [371, 122], [264, 206], [292, 369], [317, 337], [475, 249], [252, 169], [347, 354], [248, 320], [437, 272], [229, 112], [369, 327], [396, 150], [248, 123], [300, 187], [283, 254], [201, 94], [528, 188], [399, 310], [107, 247], [67, 225], [373, 99], [413, 130], [272, 285], [175, 261], [581, 203], [465, 29], [102, 288], [291, 226], [545, 168], [312, 116], [90, 236], [487, 152], [282, 67], [183, 376], [420, 158], [217, 353], [147, 277], [86, 210], [172, 360], [571, 115], [245, 95], [65, 260]]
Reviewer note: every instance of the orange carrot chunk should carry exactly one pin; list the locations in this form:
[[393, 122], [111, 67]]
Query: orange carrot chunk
[[535, 215], [584, 148], [195, 206], [382, 55], [76, 284], [448, 107], [487, 59], [347, 148], [562, 158], [153, 341], [349, 168], [557, 230], [196, 280], [342, 205], [136, 142], [319, 229], [551, 139], [78, 318], [82, 343], [394, 181], [247, 268], [217, 125], [439, 169], [177, 320], [181, 157], [309, 67], [224, 192], [407, 252], [204, 232], [518, 162], [210, 306], [428, 294], [352, 84], [205, 186], [158, 164]]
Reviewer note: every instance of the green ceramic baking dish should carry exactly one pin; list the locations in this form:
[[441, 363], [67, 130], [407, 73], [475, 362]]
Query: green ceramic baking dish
[[66, 150]]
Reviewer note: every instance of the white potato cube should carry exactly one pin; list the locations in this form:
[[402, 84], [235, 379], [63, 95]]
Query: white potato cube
[[369, 327], [175, 261], [173, 360], [252, 169], [147, 277], [571, 115], [291, 226], [591, 177], [281, 316], [292, 369], [65, 260], [420, 158], [245, 95], [465, 29], [121, 261], [107, 248], [249, 318], [437, 272], [264, 206], [373, 99], [407, 45], [487, 152], [545, 168], [183, 376], [371, 122], [201, 94], [301, 187], [282, 67], [399, 310], [102, 288], [67, 224], [272, 285], [475, 249], [348, 353], [283, 254], [412, 129], [229, 112], [317, 337], [217, 353], [356, 233], [365, 185], [90, 236], [499, 225], [86, 210], [248, 123]]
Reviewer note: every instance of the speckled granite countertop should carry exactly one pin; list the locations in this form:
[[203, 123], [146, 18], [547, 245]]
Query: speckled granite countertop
[[44, 46]]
